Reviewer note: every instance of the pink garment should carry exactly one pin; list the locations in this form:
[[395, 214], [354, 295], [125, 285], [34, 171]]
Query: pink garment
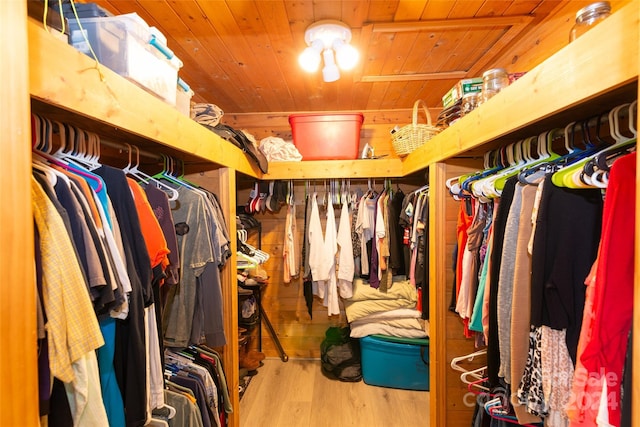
[[576, 409]]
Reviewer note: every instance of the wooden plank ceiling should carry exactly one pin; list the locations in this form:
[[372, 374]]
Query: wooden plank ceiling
[[242, 55]]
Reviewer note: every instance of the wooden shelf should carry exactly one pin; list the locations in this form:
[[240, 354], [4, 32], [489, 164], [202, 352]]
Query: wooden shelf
[[592, 74], [325, 169], [65, 83]]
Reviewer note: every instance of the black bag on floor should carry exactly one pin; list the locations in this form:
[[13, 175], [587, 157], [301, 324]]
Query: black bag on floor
[[340, 355]]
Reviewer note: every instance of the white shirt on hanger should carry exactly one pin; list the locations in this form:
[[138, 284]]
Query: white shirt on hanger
[[346, 264]]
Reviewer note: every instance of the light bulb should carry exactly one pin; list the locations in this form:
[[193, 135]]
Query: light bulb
[[309, 60], [346, 55]]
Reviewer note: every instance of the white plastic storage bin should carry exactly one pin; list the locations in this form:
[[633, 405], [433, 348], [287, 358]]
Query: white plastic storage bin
[[124, 44]]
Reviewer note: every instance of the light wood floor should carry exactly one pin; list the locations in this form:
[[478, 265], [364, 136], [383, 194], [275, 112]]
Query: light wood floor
[[296, 394]]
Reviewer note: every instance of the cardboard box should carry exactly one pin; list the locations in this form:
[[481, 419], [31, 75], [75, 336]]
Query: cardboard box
[[460, 89]]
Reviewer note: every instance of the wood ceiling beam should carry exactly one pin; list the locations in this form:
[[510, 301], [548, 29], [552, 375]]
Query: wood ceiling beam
[[445, 75], [514, 26], [489, 56], [492, 21]]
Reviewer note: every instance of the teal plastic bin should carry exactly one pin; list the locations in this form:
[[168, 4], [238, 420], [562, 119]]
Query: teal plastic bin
[[395, 362]]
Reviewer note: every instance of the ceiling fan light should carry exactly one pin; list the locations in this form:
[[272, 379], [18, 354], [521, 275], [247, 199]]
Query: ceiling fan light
[[331, 38]]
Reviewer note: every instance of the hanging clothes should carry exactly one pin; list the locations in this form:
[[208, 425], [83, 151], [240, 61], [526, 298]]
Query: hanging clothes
[[471, 259], [493, 345], [111, 259], [316, 243], [382, 242], [159, 202], [396, 231], [506, 283], [289, 248], [199, 245], [365, 224], [329, 288], [475, 321], [560, 240], [72, 328], [130, 359], [158, 251], [521, 304], [112, 253], [608, 313], [346, 263], [545, 241]]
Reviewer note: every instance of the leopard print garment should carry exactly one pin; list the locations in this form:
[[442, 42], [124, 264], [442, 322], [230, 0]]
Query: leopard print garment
[[530, 391]]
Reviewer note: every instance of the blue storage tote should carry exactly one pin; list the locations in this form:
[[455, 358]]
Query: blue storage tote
[[395, 362]]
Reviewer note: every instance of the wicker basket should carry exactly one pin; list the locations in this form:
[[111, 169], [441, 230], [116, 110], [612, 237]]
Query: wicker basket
[[406, 139]]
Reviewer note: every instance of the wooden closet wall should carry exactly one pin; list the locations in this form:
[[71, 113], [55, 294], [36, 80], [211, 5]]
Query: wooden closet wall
[[594, 73]]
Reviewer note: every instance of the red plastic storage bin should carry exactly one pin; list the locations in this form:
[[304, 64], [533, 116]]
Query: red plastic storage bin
[[327, 136]]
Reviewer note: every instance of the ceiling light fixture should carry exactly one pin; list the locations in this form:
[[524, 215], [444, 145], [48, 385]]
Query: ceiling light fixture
[[330, 39]]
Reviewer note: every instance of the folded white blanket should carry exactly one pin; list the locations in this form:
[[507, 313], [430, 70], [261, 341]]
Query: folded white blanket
[[400, 313], [362, 291], [359, 309], [362, 330]]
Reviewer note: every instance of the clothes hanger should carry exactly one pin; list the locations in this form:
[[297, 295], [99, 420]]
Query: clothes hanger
[[564, 176], [453, 185], [260, 255], [495, 409], [573, 175], [516, 162], [291, 199], [245, 261], [555, 161], [466, 358], [481, 185], [477, 382], [626, 145], [172, 193], [78, 147], [345, 193], [323, 199], [544, 151], [530, 174], [45, 170], [46, 131], [489, 167], [167, 173], [474, 377], [581, 173]]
